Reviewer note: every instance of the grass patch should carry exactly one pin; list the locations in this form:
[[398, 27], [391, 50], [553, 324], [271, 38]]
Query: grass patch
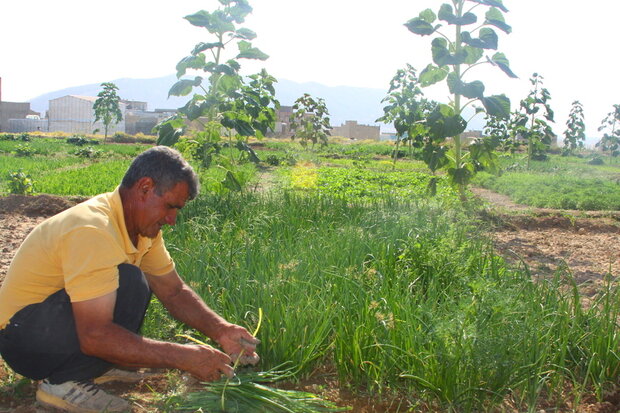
[[559, 191], [401, 296], [90, 180]]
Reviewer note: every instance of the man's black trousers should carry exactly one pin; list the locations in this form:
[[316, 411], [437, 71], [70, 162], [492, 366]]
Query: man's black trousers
[[40, 341]]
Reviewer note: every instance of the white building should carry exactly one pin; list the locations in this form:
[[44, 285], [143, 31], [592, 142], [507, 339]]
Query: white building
[[75, 114]]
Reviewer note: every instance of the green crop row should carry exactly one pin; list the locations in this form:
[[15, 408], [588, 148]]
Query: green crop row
[[61, 168], [403, 295], [561, 191], [60, 148], [90, 180], [34, 166], [559, 165], [368, 184]]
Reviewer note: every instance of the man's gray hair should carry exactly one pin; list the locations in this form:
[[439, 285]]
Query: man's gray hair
[[166, 167]]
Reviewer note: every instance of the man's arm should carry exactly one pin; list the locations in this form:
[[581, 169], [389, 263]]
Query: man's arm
[[99, 336], [186, 306]]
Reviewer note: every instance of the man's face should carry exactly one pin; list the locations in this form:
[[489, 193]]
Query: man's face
[[158, 211]]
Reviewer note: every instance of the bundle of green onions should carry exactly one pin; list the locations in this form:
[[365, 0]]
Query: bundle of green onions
[[246, 393]]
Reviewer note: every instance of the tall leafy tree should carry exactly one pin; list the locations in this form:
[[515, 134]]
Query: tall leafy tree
[[407, 108], [310, 120], [530, 125], [107, 107], [575, 133], [222, 101], [463, 41], [497, 128], [610, 142]]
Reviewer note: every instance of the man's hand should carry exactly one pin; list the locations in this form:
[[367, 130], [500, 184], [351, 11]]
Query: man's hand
[[207, 364], [238, 344]]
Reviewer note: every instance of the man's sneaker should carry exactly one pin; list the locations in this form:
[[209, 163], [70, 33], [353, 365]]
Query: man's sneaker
[[127, 376], [79, 397]]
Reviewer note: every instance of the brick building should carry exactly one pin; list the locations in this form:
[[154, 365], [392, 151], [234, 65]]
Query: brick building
[[352, 130]]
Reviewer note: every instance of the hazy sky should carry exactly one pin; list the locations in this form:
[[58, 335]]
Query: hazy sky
[[50, 45]]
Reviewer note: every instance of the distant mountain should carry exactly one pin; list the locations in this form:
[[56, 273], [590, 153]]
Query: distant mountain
[[343, 102]]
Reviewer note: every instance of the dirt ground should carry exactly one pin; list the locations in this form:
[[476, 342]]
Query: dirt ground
[[585, 242]]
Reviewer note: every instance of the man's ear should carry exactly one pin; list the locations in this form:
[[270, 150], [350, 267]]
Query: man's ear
[[144, 185]]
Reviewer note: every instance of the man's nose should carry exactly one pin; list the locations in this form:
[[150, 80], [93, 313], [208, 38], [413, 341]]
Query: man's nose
[[171, 217]]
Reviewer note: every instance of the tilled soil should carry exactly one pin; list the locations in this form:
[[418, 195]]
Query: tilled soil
[[585, 242], [543, 240]]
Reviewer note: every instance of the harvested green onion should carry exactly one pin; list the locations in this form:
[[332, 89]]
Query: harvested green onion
[[246, 393]]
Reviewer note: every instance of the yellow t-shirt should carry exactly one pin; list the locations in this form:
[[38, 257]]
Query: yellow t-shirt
[[78, 250]]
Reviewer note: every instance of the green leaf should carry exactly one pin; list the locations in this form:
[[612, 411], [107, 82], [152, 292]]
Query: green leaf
[[184, 86], [494, 14], [201, 18], [460, 176], [228, 83], [483, 153], [501, 61], [446, 14], [190, 62], [502, 26], [234, 64], [224, 69], [473, 54], [488, 39], [435, 156], [246, 34], [427, 15], [442, 56], [214, 22], [497, 105], [240, 10], [443, 122], [169, 131], [194, 109], [244, 147], [473, 90], [420, 26], [246, 51], [492, 3], [495, 18], [432, 74], [231, 182], [201, 47]]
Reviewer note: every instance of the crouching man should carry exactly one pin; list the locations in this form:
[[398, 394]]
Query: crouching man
[[77, 291]]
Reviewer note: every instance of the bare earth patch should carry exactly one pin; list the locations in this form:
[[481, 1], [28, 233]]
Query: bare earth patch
[[585, 242], [543, 240]]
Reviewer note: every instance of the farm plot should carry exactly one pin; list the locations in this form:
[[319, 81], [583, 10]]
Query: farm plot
[[389, 293], [560, 184], [57, 167]]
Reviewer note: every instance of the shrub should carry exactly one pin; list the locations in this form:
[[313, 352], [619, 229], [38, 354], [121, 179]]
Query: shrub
[[540, 156], [88, 152], [24, 150], [121, 137], [273, 160], [596, 160], [81, 140], [20, 183]]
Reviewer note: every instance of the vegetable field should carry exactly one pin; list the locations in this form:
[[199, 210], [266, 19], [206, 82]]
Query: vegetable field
[[374, 277]]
